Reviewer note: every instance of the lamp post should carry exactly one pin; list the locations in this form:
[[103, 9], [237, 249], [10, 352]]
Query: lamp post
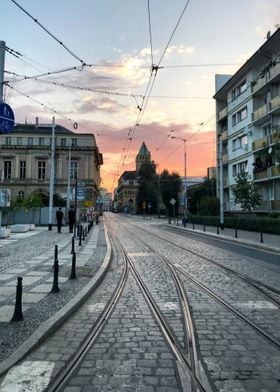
[[185, 175], [52, 177]]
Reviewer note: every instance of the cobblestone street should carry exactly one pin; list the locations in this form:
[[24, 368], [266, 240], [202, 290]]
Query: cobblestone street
[[132, 351]]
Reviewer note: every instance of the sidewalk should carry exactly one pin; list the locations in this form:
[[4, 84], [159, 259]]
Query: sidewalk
[[32, 258], [259, 240]]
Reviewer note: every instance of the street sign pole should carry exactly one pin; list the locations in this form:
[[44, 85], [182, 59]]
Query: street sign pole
[[2, 66], [52, 176]]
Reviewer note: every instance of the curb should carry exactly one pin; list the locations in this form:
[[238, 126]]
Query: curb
[[222, 237], [52, 324]]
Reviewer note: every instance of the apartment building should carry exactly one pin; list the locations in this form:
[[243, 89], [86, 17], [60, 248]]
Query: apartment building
[[248, 126], [25, 161]]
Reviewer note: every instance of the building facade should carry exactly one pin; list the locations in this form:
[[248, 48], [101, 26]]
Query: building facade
[[248, 126], [128, 183], [25, 162]]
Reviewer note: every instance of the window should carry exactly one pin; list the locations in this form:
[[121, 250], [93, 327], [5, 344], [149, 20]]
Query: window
[[22, 169], [63, 142], [239, 142], [8, 140], [238, 90], [130, 182], [41, 170], [30, 141], [21, 194], [239, 168], [239, 116], [41, 141], [19, 141], [73, 170], [7, 169], [74, 142]]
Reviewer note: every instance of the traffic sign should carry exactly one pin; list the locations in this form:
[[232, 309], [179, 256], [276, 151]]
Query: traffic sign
[[7, 118], [172, 201]]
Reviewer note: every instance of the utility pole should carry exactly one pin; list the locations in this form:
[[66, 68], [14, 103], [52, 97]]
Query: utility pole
[[52, 176], [2, 65], [221, 180], [68, 180]]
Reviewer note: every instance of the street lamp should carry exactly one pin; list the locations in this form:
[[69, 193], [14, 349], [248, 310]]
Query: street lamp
[[185, 175]]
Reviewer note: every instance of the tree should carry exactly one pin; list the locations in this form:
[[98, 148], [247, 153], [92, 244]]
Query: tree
[[147, 190], [245, 192], [201, 194], [170, 186], [32, 203]]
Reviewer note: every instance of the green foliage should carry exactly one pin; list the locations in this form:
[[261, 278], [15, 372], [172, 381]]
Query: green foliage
[[170, 186], [198, 192], [245, 192], [148, 189], [32, 203], [209, 205]]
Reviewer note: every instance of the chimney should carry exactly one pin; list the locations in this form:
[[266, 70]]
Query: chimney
[[36, 122]]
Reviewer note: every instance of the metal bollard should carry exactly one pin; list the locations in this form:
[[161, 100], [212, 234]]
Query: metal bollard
[[55, 252], [73, 245], [86, 231], [55, 288], [235, 231], [218, 231], [83, 231], [80, 237], [204, 228], [17, 316], [193, 226], [261, 233], [73, 269]]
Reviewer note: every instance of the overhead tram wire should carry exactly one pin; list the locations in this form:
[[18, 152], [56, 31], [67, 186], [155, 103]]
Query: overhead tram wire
[[154, 70], [174, 30], [49, 33], [150, 31]]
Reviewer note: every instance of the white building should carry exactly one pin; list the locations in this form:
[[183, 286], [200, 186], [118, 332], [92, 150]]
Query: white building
[[248, 125]]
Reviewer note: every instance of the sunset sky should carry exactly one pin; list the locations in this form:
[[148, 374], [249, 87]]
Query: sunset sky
[[119, 41]]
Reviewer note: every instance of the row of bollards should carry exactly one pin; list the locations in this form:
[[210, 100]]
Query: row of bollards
[[218, 228], [82, 233]]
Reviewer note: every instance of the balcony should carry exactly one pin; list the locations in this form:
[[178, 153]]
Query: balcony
[[222, 114], [260, 113], [275, 104], [275, 72], [275, 137], [259, 84], [275, 205], [260, 143], [224, 135], [275, 171], [225, 158], [261, 175]]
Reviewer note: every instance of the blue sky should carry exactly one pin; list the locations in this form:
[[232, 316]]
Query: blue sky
[[117, 32]]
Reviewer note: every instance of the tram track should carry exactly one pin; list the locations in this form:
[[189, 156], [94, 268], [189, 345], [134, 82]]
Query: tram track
[[187, 363], [245, 279]]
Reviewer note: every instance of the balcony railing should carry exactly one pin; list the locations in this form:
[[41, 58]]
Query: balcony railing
[[275, 205], [222, 113], [260, 143], [259, 113], [261, 82], [275, 171], [261, 175], [224, 135], [225, 158], [275, 103], [275, 71]]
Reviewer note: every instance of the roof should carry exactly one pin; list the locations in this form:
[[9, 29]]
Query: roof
[[42, 129], [260, 58], [129, 175], [144, 150]]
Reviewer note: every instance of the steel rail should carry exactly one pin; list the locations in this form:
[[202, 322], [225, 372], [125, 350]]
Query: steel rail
[[247, 279], [91, 337]]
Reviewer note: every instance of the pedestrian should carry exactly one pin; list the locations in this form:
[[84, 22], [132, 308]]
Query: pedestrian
[[71, 219], [59, 217]]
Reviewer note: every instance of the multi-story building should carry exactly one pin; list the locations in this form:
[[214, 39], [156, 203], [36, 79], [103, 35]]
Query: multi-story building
[[25, 161], [106, 199], [128, 182], [248, 125]]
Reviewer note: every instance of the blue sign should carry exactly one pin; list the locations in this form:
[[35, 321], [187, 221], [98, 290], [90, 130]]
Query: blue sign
[[7, 118]]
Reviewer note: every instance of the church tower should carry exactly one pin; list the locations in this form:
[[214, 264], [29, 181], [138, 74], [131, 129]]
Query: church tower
[[143, 156]]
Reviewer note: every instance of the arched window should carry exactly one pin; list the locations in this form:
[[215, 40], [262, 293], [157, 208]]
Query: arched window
[[21, 194]]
